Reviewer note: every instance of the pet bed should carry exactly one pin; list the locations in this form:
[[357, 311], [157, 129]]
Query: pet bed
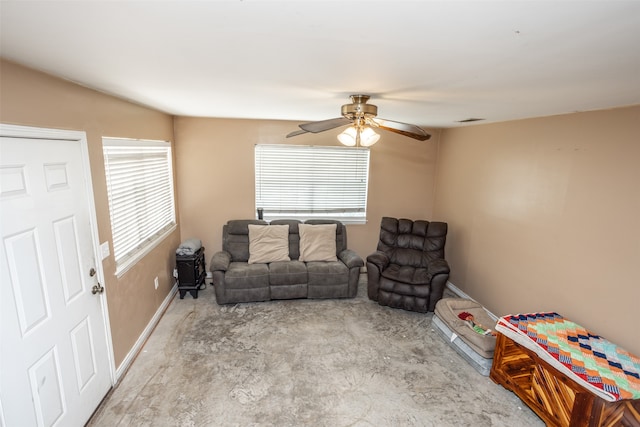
[[476, 348], [565, 373]]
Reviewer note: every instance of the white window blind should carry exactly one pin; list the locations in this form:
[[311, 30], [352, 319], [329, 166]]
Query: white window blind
[[305, 182], [140, 189]]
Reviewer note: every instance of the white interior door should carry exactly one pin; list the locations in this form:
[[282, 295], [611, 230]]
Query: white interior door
[[55, 356]]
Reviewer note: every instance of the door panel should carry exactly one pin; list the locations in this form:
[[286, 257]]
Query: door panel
[[46, 388], [83, 355], [25, 270], [55, 361], [67, 247]]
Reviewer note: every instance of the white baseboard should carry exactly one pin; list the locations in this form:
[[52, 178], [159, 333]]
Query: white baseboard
[[453, 288], [128, 360]]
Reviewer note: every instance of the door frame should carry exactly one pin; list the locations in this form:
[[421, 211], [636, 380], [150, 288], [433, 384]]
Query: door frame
[[19, 131]]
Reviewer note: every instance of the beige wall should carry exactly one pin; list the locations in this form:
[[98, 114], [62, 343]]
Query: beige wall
[[31, 98], [216, 182], [544, 215]]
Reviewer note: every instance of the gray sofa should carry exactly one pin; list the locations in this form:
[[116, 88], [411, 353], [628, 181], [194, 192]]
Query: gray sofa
[[236, 280]]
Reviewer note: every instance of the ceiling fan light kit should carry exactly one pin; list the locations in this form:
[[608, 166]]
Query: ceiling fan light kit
[[354, 135], [348, 136], [362, 118], [368, 137]]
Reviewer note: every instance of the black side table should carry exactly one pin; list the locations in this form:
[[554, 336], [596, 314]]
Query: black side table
[[191, 273]]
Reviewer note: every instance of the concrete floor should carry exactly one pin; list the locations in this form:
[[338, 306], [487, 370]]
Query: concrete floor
[[332, 363]]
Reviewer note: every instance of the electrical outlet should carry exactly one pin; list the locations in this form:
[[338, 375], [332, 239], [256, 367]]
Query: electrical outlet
[[155, 282], [175, 273]]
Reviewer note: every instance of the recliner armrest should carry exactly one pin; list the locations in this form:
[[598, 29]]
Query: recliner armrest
[[220, 261], [380, 259], [350, 258], [438, 266]]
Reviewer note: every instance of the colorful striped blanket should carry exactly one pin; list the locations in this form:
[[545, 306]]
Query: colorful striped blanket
[[601, 366]]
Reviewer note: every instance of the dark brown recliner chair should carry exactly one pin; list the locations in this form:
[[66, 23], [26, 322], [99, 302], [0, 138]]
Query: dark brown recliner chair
[[408, 270]]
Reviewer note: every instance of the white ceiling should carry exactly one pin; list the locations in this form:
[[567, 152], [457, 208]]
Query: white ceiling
[[431, 63]]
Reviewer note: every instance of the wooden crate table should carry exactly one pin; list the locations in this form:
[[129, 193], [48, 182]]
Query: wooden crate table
[[566, 374]]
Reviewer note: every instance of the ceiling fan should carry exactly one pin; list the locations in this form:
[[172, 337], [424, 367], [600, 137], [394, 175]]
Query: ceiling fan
[[362, 118]]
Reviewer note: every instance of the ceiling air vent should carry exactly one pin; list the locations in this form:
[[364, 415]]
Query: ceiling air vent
[[472, 119]]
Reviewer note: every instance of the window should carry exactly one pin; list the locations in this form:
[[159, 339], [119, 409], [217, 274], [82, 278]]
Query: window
[[140, 190], [307, 182]]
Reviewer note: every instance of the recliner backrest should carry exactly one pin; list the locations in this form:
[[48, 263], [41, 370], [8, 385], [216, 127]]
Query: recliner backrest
[[412, 243]]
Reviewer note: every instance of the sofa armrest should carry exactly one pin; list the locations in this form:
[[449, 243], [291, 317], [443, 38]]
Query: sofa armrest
[[438, 266], [220, 261], [350, 259], [379, 259]]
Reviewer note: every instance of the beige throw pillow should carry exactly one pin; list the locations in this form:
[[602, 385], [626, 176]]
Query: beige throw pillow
[[317, 242], [268, 243]]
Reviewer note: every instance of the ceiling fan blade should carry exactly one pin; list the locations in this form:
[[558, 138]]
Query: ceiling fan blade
[[323, 125], [296, 133], [412, 131]]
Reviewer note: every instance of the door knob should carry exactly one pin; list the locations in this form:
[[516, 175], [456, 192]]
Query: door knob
[[97, 289]]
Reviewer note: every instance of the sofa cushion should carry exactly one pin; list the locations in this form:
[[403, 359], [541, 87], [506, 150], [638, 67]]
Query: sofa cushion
[[328, 280], [294, 236], [241, 275], [341, 232], [268, 243], [287, 273], [317, 242], [327, 273]]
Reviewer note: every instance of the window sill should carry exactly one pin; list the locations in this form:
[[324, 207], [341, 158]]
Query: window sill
[[126, 265]]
